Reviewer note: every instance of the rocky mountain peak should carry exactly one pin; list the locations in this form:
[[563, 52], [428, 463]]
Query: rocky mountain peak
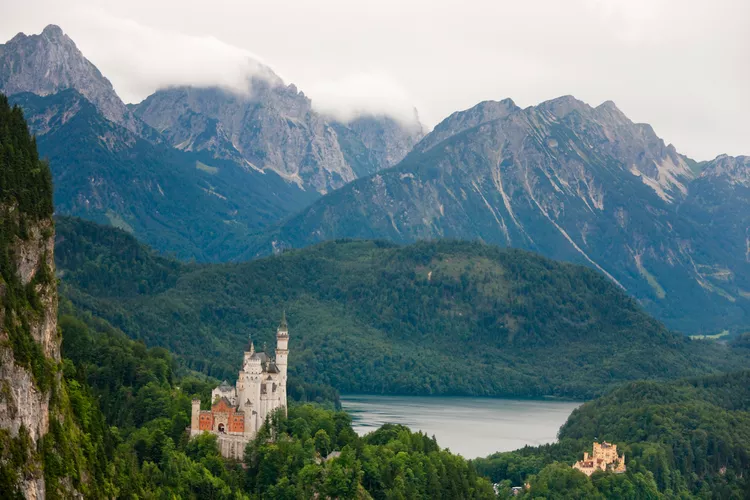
[[53, 32], [47, 63], [484, 112], [734, 169], [270, 128], [610, 110], [564, 105]]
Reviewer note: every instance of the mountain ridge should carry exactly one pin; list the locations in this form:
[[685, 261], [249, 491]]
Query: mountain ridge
[[562, 178]]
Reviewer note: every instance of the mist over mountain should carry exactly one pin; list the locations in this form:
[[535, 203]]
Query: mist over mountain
[[192, 171], [275, 128]]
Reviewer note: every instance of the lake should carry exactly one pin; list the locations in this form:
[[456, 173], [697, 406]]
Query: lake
[[472, 427]]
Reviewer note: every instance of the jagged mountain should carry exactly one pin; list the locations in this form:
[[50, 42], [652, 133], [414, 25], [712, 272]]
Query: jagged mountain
[[238, 162], [185, 203], [273, 127], [562, 178], [372, 143], [719, 200], [47, 63]]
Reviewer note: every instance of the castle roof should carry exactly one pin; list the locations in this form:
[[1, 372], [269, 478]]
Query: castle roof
[[224, 386], [262, 356], [272, 368]]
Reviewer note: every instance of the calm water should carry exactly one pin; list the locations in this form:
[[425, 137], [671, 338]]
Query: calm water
[[472, 427]]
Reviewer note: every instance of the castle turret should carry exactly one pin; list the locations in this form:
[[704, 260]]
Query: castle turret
[[195, 416], [282, 352]]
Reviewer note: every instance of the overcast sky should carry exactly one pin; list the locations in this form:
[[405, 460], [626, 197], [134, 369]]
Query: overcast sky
[[681, 65]]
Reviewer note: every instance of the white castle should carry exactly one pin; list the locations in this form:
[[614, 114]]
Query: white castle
[[237, 412]]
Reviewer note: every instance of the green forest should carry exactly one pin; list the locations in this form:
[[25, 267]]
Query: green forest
[[369, 316], [681, 439]]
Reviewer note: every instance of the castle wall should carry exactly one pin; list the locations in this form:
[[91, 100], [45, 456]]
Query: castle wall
[[233, 445]]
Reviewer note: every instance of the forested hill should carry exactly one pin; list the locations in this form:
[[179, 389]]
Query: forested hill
[[690, 437], [430, 318]]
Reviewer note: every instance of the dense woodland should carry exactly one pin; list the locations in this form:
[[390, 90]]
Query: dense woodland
[[379, 318], [690, 437]]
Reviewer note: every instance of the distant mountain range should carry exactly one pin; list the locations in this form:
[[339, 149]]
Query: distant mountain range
[[192, 171], [214, 175]]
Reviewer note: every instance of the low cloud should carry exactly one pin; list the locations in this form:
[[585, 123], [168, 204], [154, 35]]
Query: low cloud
[[361, 94], [139, 59]]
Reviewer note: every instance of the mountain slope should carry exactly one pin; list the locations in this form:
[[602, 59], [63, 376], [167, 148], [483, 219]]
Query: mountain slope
[[719, 199], [239, 162], [184, 203], [374, 317], [564, 179]]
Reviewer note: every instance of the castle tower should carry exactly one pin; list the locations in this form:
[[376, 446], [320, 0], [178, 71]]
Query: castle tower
[[195, 416], [282, 352]]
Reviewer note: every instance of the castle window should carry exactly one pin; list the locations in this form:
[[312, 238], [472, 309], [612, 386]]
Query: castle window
[[221, 428]]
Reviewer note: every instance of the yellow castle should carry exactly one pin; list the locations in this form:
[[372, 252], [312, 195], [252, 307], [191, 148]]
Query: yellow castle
[[604, 457]]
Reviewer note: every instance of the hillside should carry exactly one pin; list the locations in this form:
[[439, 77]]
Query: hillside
[[375, 317], [679, 438], [572, 182]]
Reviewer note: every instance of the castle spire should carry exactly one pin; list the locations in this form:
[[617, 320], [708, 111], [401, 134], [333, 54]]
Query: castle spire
[[250, 345], [282, 330]]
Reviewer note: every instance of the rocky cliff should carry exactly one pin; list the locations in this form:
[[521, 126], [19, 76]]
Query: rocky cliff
[[372, 143], [29, 341], [271, 128]]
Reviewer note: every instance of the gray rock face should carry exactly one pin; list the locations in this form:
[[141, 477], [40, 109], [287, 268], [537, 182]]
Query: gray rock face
[[47, 63], [272, 128], [386, 140], [734, 170], [562, 178], [459, 121], [22, 403]]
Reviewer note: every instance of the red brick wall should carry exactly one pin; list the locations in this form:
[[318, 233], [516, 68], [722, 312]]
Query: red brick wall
[[206, 422]]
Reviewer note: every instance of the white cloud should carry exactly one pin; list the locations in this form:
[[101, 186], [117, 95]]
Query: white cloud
[[139, 59], [370, 93]]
